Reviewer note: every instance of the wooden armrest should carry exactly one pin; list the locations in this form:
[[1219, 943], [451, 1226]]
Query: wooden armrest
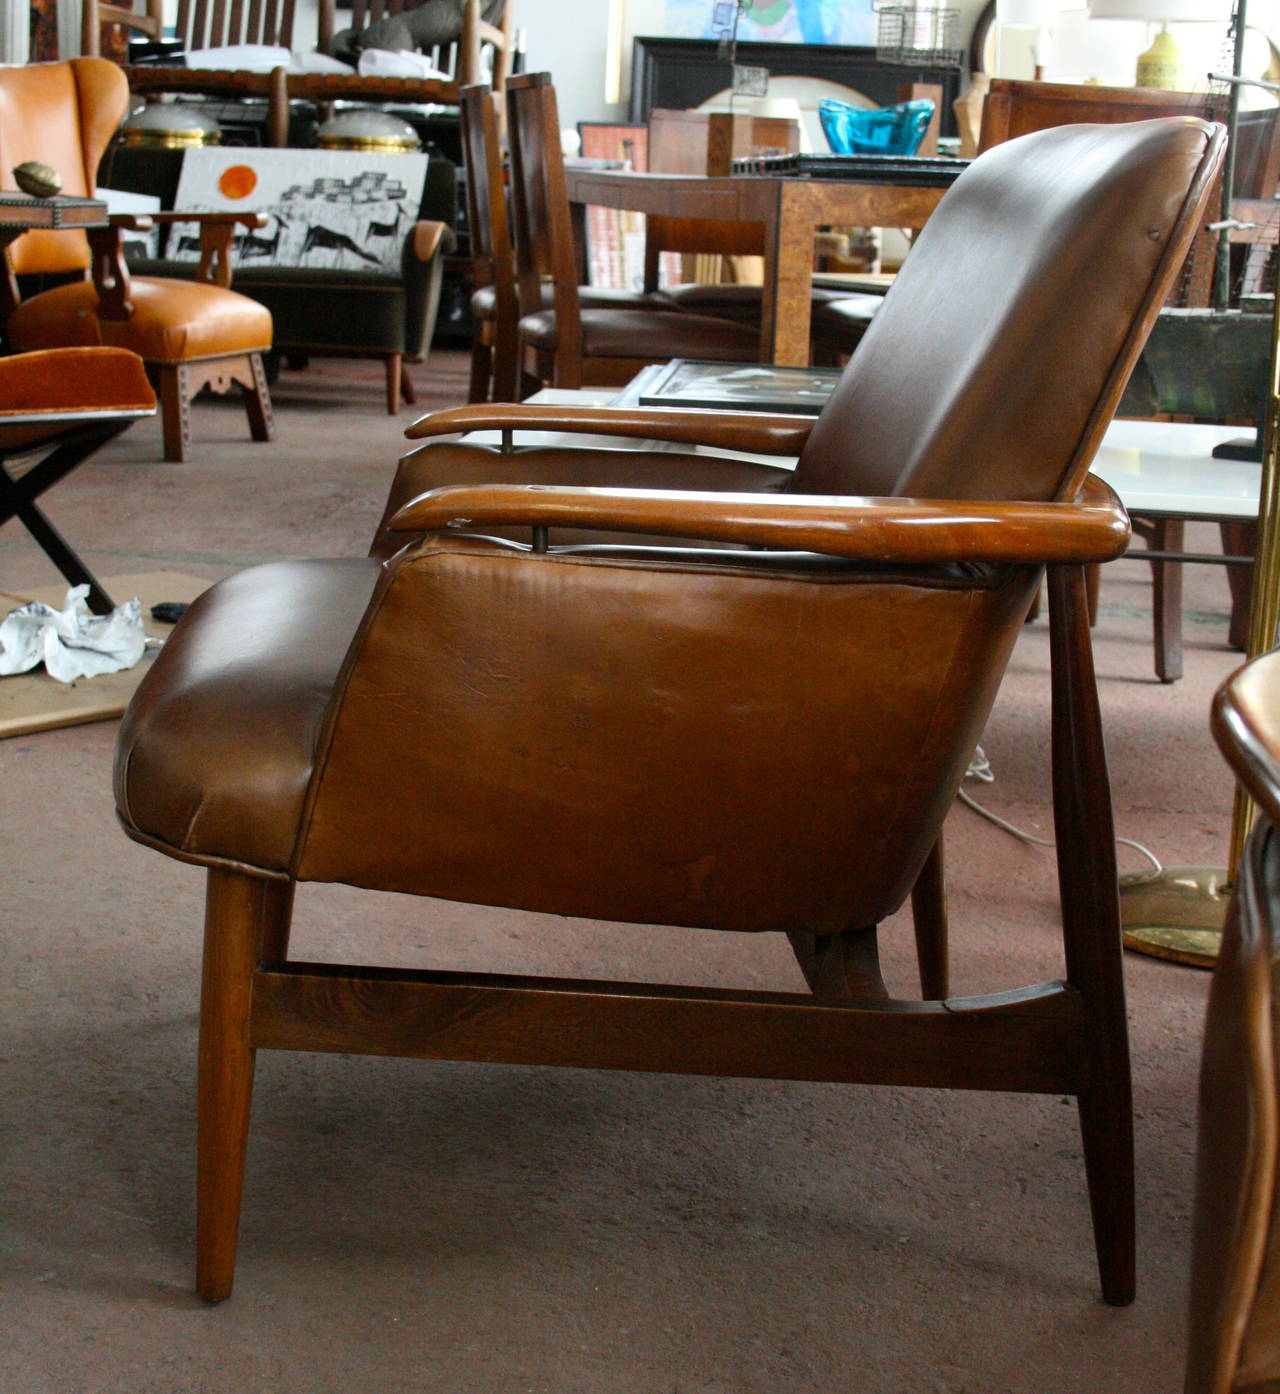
[[427, 238], [752, 432], [898, 531]]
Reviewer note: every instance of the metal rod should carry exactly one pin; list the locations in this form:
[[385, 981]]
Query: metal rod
[[1222, 262]]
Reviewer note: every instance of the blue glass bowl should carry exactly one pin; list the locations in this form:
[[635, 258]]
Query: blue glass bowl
[[888, 130]]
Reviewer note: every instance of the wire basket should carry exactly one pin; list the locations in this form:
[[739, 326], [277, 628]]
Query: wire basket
[[917, 35]]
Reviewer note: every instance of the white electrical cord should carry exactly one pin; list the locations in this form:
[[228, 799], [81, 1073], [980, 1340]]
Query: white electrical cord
[[980, 769]]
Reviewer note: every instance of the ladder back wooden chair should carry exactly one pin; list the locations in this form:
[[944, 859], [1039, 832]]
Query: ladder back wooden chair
[[569, 343], [764, 735]]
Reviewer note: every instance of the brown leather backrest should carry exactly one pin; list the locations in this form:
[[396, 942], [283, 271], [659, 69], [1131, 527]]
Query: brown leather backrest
[[63, 114], [998, 357], [1234, 1326]]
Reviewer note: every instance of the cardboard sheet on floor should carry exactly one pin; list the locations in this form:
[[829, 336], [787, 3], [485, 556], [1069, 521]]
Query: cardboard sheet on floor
[[36, 702]]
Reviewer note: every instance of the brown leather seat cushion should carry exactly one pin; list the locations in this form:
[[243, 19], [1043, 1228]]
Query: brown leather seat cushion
[[172, 321], [195, 776], [484, 302], [648, 335]]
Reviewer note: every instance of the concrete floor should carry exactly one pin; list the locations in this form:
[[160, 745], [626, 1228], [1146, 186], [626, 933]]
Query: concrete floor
[[421, 1226]]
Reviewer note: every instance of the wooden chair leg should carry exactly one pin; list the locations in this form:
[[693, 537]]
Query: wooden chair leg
[[1167, 535], [478, 387], [406, 384], [1093, 585], [929, 912], [257, 401], [1087, 885], [1239, 540], [245, 918], [392, 364], [173, 390]]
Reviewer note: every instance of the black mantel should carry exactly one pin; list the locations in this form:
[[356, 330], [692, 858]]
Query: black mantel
[[683, 73]]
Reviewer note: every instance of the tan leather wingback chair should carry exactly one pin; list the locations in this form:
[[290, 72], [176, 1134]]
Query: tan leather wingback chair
[[189, 335], [759, 740], [1234, 1328]]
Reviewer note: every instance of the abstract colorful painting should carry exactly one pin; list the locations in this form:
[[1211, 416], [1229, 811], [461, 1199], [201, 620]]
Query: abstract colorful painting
[[778, 21]]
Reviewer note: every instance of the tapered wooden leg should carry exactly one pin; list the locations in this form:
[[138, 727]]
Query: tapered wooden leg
[[257, 401], [1239, 539], [929, 912], [1087, 884], [481, 369], [1166, 599], [406, 384], [392, 364], [175, 409], [244, 916]]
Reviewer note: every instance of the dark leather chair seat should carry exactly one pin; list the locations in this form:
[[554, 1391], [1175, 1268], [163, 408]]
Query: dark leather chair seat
[[649, 335]]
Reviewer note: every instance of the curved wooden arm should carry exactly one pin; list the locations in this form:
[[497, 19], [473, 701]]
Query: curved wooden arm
[[751, 432], [1095, 529], [426, 238]]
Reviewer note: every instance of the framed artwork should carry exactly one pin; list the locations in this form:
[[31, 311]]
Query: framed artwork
[[776, 21], [337, 209]]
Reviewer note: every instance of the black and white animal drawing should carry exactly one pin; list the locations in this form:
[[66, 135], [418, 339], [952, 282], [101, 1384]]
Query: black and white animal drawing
[[377, 229], [320, 236]]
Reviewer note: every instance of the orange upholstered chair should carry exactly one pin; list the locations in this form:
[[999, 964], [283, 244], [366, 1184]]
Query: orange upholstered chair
[[189, 334], [62, 405]]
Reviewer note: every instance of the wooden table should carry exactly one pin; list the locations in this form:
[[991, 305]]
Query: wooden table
[[788, 209], [21, 213]]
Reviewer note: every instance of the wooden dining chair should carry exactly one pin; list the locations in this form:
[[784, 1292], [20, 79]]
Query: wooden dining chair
[[494, 304], [761, 736], [1234, 1325], [569, 344], [190, 335]]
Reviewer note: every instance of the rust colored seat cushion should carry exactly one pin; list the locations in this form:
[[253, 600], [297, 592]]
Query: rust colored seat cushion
[[649, 335], [58, 381], [172, 321], [192, 774]]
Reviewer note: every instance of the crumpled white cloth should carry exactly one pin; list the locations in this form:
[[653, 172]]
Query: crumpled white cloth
[[381, 62], [72, 642], [245, 58]]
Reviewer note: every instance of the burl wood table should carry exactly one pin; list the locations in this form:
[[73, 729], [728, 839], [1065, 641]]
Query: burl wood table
[[788, 208]]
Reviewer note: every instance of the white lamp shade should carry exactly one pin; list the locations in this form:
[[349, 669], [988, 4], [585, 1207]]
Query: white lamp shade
[[1022, 14], [1162, 11]]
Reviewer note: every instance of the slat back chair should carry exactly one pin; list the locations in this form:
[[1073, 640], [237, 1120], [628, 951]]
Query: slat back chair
[[569, 344], [494, 303]]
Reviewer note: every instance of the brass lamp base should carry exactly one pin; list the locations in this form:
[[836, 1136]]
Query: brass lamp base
[[1177, 913]]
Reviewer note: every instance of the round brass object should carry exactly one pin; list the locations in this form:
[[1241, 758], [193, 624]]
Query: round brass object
[[1177, 913], [39, 180], [170, 126], [375, 132]]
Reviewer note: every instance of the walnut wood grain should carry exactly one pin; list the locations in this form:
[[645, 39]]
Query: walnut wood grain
[[755, 432], [1019, 1040], [788, 210], [876, 530]]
